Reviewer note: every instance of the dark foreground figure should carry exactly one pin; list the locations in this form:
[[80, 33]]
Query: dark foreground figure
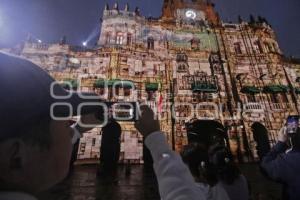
[[110, 149], [282, 164]]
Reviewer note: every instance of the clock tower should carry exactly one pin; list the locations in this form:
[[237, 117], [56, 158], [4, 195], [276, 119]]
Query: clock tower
[[189, 10]]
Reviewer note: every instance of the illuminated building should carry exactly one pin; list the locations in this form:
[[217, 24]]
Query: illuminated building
[[233, 73]]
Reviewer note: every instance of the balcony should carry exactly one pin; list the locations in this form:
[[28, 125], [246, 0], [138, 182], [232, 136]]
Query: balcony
[[250, 90], [254, 107], [274, 89], [277, 106], [204, 87]]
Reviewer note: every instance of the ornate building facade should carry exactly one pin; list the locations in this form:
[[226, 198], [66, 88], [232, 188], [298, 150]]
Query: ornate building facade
[[190, 65]]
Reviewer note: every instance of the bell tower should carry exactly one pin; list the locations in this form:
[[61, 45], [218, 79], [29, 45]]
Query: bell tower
[[170, 8]]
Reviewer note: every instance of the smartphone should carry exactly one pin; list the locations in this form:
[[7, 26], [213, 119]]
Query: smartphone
[[122, 111], [292, 124]]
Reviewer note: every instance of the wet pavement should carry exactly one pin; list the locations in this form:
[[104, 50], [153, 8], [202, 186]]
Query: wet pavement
[[84, 184]]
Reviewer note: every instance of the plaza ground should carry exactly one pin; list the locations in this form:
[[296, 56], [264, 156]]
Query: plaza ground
[[84, 184]]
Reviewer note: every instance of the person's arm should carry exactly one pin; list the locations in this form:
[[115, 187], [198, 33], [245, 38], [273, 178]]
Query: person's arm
[[174, 178], [273, 163]]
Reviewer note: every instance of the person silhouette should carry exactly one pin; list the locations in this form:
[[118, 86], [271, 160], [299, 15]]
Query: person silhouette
[[110, 147]]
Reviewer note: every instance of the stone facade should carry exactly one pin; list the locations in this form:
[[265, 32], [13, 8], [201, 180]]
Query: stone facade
[[188, 60]]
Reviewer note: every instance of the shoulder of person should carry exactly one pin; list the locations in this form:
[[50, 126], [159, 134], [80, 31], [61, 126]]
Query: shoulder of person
[[219, 193], [243, 178], [15, 196]]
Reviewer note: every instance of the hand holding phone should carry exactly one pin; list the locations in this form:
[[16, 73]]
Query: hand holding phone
[[292, 124], [282, 136], [122, 111]]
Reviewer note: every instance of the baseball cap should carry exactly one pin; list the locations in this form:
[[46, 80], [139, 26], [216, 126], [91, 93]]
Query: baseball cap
[[28, 94]]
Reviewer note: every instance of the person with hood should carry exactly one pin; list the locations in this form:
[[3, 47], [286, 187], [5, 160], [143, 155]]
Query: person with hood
[[229, 175], [195, 156], [282, 163]]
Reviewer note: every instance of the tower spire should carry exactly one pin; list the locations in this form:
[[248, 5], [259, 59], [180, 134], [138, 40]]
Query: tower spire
[[106, 6], [116, 6], [127, 7]]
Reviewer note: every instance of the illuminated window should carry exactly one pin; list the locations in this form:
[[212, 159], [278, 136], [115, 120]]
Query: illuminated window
[[120, 38]]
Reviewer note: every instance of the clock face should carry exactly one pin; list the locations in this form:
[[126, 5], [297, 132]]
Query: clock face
[[190, 14], [74, 60]]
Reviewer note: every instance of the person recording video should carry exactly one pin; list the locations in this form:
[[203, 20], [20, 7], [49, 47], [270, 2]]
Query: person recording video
[[174, 178], [110, 148], [282, 164]]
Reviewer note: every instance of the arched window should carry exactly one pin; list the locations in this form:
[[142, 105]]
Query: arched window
[[120, 38], [150, 43]]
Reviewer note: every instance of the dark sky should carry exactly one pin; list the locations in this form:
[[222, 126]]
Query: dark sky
[[48, 20]]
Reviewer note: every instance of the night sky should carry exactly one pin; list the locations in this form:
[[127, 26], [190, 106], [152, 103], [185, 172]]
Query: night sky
[[79, 20]]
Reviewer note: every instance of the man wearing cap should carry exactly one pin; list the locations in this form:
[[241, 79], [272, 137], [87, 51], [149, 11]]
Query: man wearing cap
[[35, 149]]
